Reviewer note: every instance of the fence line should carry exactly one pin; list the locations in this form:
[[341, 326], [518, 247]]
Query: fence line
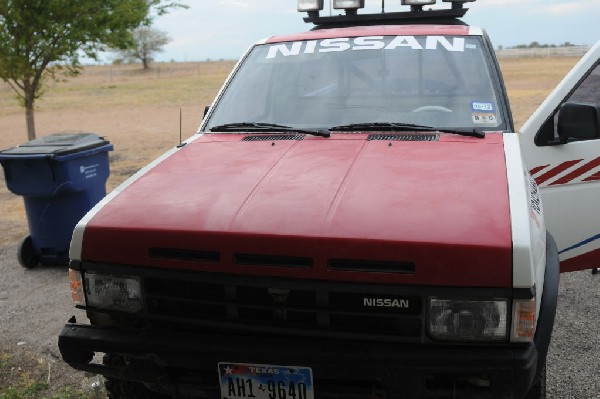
[[571, 51]]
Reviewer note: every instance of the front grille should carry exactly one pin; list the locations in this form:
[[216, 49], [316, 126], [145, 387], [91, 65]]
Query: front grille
[[299, 308]]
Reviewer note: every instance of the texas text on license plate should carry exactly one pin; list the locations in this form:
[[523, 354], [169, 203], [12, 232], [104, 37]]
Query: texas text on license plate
[[263, 381]]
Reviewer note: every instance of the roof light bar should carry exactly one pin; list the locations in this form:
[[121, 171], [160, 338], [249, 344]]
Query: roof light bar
[[417, 13]]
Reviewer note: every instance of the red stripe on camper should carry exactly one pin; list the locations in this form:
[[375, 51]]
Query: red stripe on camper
[[577, 172], [556, 171]]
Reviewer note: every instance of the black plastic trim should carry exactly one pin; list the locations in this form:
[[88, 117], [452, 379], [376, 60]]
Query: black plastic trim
[[185, 254], [499, 84], [548, 302], [273, 260], [524, 293], [393, 17], [166, 356], [368, 266]]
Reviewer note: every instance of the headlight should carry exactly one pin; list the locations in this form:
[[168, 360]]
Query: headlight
[[121, 293], [478, 321]]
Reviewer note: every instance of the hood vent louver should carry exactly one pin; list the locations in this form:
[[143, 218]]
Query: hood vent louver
[[369, 266], [274, 137], [185, 254], [273, 260], [403, 137]]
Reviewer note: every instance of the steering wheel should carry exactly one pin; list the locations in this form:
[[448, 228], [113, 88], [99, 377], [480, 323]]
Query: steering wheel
[[437, 108]]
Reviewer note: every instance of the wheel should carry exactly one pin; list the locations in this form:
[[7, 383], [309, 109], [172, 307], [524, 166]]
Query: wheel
[[122, 389], [595, 271], [26, 254], [538, 390]]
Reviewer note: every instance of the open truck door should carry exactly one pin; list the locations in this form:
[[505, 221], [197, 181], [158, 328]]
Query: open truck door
[[561, 146]]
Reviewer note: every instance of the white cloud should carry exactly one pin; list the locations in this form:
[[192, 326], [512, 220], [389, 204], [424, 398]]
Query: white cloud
[[572, 7]]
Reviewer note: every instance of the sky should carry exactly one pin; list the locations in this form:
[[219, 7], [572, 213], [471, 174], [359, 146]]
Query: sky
[[224, 29]]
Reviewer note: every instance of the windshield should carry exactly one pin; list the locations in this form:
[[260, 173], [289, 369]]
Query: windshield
[[437, 81]]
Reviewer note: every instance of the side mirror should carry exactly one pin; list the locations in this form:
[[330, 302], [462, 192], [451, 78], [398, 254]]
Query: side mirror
[[578, 121], [206, 109]]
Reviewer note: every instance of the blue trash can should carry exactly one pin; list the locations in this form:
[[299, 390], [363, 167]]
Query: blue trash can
[[61, 177]]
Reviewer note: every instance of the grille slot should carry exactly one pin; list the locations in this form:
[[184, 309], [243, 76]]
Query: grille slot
[[273, 260], [185, 254], [274, 137], [403, 137], [407, 327], [371, 266]]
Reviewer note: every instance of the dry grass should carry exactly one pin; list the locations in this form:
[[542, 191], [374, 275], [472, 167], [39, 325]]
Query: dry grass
[[139, 112], [530, 80]]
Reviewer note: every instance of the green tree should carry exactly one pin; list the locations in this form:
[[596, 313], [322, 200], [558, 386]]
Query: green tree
[[146, 42], [44, 39], [161, 7]]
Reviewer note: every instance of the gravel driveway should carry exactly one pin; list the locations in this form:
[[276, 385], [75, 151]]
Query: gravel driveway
[[34, 305]]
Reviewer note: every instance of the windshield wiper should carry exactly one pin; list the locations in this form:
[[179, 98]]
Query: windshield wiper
[[383, 126], [405, 127], [259, 127], [466, 132]]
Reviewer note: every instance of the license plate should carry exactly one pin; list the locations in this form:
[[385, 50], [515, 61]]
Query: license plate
[[265, 381]]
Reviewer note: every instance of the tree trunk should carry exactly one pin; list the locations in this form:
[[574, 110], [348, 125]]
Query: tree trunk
[[146, 63], [29, 99], [29, 118]]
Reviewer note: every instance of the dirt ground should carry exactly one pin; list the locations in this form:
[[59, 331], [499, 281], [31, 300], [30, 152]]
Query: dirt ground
[[34, 304]]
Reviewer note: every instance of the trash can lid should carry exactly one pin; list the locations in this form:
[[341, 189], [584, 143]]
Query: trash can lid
[[58, 144]]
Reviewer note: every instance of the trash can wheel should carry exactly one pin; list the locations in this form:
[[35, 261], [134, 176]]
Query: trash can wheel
[[26, 254]]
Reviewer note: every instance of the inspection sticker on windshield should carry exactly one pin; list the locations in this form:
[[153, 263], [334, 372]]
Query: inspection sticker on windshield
[[263, 381], [483, 113], [477, 106], [484, 118]]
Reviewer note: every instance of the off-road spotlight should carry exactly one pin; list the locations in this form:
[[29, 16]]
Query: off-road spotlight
[[312, 7], [351, 6]]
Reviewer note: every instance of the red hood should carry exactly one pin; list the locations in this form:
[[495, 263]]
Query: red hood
[[442, 206]]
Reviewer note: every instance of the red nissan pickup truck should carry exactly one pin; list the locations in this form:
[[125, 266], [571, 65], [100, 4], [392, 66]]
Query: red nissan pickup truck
[[355, 218]]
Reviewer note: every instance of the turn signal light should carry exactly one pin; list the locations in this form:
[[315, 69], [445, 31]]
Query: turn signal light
[[76, 283], [524, 320]]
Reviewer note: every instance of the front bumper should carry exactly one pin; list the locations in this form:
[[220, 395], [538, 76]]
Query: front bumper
[[185, 364]]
